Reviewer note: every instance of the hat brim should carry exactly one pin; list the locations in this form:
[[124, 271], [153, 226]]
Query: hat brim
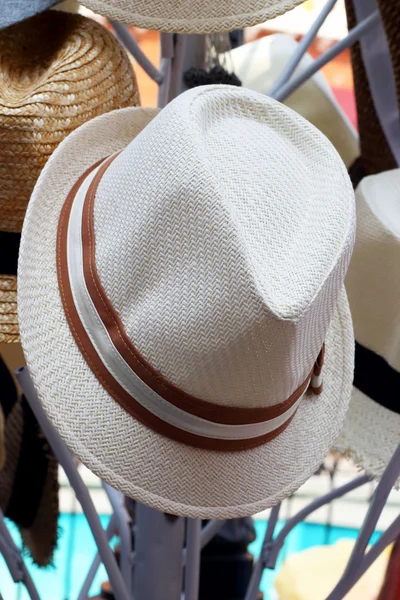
[[168, 16], [153, 469], [370, 435]]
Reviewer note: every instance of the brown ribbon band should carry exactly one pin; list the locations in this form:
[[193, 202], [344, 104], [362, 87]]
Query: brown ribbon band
[[153, 378]]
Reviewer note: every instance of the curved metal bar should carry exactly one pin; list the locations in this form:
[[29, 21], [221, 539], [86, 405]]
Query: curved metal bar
[[14, 561], [353, 36], [125, 532], [65, 459], [381, 494], [87, 584], [271, 559], [350, 578], [254, 584], [302, 47], [124, 36]]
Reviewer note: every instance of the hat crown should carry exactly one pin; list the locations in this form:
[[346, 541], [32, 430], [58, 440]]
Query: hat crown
[[373, 279], [223, 234], [57, 71]]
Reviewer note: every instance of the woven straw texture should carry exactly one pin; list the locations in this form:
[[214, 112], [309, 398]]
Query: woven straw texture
[[258, 65], [57, 71], [376, 155], [372, 432], [191, 16], [207, 304]]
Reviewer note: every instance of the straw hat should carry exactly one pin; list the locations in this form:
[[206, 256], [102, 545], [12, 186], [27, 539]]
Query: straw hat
[[191, 16], [223, 232], [57, 71], [259, 64], [313, 573], [372, 429], [30, 470]]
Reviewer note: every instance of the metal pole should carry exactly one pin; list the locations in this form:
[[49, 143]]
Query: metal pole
[[352, 37], [176, 83], [192, 571], [65, 459], [87, 584], [206, 535], [159, 541], [123, 34], [166, 55], [254, 584], [302, 48], [124, 526]]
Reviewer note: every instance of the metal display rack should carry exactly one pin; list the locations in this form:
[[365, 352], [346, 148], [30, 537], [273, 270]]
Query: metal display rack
[[166, 556]]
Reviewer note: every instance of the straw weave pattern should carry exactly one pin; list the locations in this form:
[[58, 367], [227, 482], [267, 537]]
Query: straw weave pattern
[[191, 16], [57, 71], [148, 467], [172, 189], [372, 432]]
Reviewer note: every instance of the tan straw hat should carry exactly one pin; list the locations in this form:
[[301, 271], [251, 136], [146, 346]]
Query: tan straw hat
[[178, 343], [372, 429], [191, 16], [57, 71]]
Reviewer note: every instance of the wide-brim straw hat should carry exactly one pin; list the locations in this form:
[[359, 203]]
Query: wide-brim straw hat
[[227, 224], [258, 65], [57, 71], [371, 431], [29, 477], [189, 16]]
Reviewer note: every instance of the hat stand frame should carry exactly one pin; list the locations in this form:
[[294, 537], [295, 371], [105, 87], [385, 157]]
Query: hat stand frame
[[161, 557]]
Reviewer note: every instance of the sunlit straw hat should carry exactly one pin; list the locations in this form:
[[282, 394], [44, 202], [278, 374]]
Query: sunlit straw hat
[[176, 298], [191, 16], [57, 71], [372, 429]]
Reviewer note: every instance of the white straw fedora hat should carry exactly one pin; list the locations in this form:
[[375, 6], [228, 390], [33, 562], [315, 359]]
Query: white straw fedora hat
[[191, 16], [372, 429], [258, 65], [175, 299]]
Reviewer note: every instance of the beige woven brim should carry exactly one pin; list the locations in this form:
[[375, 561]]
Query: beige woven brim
[[9, 331], [370, 435], [188, 16], [157, 471]]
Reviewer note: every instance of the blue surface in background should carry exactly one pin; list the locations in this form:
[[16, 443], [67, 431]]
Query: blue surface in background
[[76, 549]]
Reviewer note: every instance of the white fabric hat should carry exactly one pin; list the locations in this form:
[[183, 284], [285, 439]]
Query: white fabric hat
[[258, 66], [372, 429], [191, 16], [174, 355]]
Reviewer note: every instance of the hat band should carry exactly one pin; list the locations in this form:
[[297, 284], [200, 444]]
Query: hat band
[[137, 387], [375, 378]]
